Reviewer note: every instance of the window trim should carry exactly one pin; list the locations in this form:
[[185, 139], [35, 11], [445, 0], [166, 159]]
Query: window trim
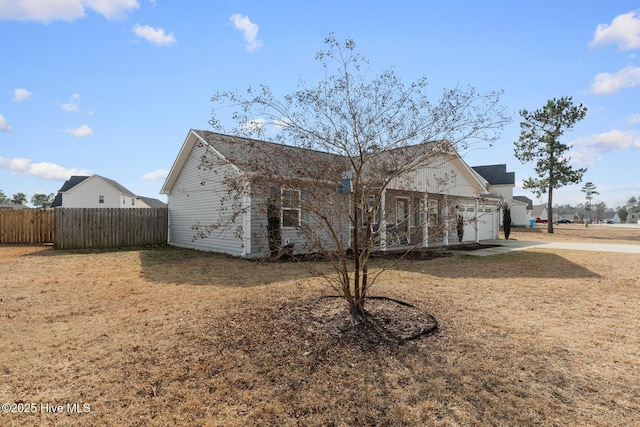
[[284, 207]]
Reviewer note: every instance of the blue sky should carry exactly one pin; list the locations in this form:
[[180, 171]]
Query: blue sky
[[112, 86]]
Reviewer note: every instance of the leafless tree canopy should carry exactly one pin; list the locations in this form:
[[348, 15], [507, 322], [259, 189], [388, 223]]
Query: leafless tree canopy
[[364, 133]]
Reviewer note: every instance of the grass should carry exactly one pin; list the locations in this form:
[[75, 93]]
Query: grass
[[168, 336]]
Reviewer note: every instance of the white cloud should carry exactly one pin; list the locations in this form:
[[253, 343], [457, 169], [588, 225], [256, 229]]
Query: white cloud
[[44, 170], [21, 94], [156, 175], [249, 31], [255, 124], [607, 83], [80, 132], [72, 105], [4, 126], [154, 35], [634, 119], [587, 150], [64, 10], [623, 31]]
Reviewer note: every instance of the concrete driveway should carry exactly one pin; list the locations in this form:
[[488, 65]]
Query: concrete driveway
[[506, 246]]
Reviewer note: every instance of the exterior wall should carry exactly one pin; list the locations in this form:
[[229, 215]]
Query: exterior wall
[[443, 175], [519, 215], [488, 223], [87, 194], [504, 191], [195, 198]]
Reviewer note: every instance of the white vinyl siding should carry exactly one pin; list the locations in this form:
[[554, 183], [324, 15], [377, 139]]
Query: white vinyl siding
[[196, 198], [94, 192]]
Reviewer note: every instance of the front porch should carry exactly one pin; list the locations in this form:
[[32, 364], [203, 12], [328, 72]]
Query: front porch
[[409, 219]]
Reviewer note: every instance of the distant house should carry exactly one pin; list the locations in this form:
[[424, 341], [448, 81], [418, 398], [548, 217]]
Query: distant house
[[96, 191], [611, 218], [197, 196], [522, 218], [501, 183], [540, 212], [12, 206]]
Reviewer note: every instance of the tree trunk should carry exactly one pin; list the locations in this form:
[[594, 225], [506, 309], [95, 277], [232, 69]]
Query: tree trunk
[[550, 212]]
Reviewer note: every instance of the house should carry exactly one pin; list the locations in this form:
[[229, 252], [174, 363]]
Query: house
[[12, 206], [523, 218], [96, 191], [540, 212], [210, 167], [501, 183], [611, 217]]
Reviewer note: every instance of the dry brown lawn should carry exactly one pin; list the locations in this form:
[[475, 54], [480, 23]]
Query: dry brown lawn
[[165, 336]]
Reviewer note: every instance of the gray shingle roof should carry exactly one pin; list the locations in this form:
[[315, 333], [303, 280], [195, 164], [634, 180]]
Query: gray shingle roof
[[153, 203], [526, 200], [496, 174], [252, 155]]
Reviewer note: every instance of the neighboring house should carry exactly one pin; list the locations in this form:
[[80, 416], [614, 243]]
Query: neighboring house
[[633, 218], [148, 202], [501, 183], [198, 198], [611, 218], [12, 206], [524, 208], [539, 212], [96, 191]]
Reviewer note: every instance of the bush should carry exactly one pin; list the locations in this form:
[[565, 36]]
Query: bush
[[506, 221]]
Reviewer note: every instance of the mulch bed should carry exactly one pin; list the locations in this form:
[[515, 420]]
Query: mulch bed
[[388, 321]]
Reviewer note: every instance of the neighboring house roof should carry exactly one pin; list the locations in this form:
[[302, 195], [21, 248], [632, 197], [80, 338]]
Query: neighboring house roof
[[153, 203], [526, 200], [12, 206], [496, 174], [117, 186], [77, 179]]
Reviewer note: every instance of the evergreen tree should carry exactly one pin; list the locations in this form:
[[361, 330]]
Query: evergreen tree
[[540, 133]]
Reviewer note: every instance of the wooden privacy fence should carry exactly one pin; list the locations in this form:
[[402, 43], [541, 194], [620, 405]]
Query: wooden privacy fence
[[76, 228], [26, 226]]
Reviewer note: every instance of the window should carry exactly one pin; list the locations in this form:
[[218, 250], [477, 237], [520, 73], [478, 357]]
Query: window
[[133, 202], [290, 208], [293, 214], [101, 199]]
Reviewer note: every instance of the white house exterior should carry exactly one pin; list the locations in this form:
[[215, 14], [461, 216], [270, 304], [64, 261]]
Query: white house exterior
[[501, 184], [96, 191], [198, 198]]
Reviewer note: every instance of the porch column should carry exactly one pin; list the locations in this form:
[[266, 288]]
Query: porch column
[[476, 221], [246, 225], [446, 221], [425, 221], [383, 221]]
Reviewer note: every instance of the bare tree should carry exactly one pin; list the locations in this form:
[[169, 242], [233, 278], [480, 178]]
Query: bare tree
[[336, 148]]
